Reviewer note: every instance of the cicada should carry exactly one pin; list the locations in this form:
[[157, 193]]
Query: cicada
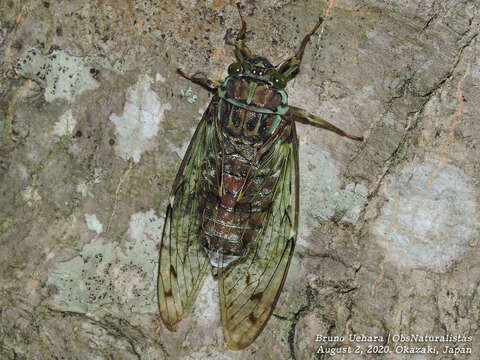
[[233, 208]]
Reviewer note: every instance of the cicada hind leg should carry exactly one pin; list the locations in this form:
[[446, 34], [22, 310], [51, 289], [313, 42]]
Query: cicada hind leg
[[302, 116]]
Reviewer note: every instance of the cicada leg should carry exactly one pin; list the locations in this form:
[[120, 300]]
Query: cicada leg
[[200, 80], [242, 51], [243, 30], [302, 116], [290, 67]]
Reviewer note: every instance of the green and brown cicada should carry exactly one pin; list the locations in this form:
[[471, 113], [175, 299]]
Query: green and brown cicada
[[233, 207]]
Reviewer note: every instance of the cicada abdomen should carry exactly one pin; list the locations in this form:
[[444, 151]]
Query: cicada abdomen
[[234, 203]]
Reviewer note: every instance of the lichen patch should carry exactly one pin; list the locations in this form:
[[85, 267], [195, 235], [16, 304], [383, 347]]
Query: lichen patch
[[429, 216], [323, 195], [111, 277], [138, 125], [60, 74]]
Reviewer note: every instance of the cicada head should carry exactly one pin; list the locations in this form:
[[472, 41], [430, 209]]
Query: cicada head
[[259, 68], [248, 63]]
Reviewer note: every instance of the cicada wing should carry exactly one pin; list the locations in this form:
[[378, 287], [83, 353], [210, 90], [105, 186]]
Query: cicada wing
[[249, 290], [182, 263]]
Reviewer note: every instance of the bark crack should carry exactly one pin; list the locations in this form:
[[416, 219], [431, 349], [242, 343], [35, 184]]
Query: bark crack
[[414, 116], [296, 317]]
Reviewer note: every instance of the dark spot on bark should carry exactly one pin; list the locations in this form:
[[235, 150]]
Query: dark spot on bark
[[94, 72], [18, 44]]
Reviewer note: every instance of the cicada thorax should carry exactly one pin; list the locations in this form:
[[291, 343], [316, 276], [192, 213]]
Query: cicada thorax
[[250, 109], [249, 120]]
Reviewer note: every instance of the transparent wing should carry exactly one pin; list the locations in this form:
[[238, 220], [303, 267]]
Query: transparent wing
[[249, 290], [182, 264]]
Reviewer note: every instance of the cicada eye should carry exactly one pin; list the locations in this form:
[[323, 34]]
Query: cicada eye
[[235, 68], [278, 80]]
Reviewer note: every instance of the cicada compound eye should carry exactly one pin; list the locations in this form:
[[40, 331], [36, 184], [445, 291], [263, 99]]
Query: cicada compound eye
[[278, 80], [235, 68]]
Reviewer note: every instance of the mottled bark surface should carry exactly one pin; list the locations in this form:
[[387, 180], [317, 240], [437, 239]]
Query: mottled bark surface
[[95, 121]]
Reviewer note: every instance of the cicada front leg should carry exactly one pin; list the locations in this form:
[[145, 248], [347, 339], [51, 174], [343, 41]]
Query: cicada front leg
[[290, 67], [242, 52], [201, 80]]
